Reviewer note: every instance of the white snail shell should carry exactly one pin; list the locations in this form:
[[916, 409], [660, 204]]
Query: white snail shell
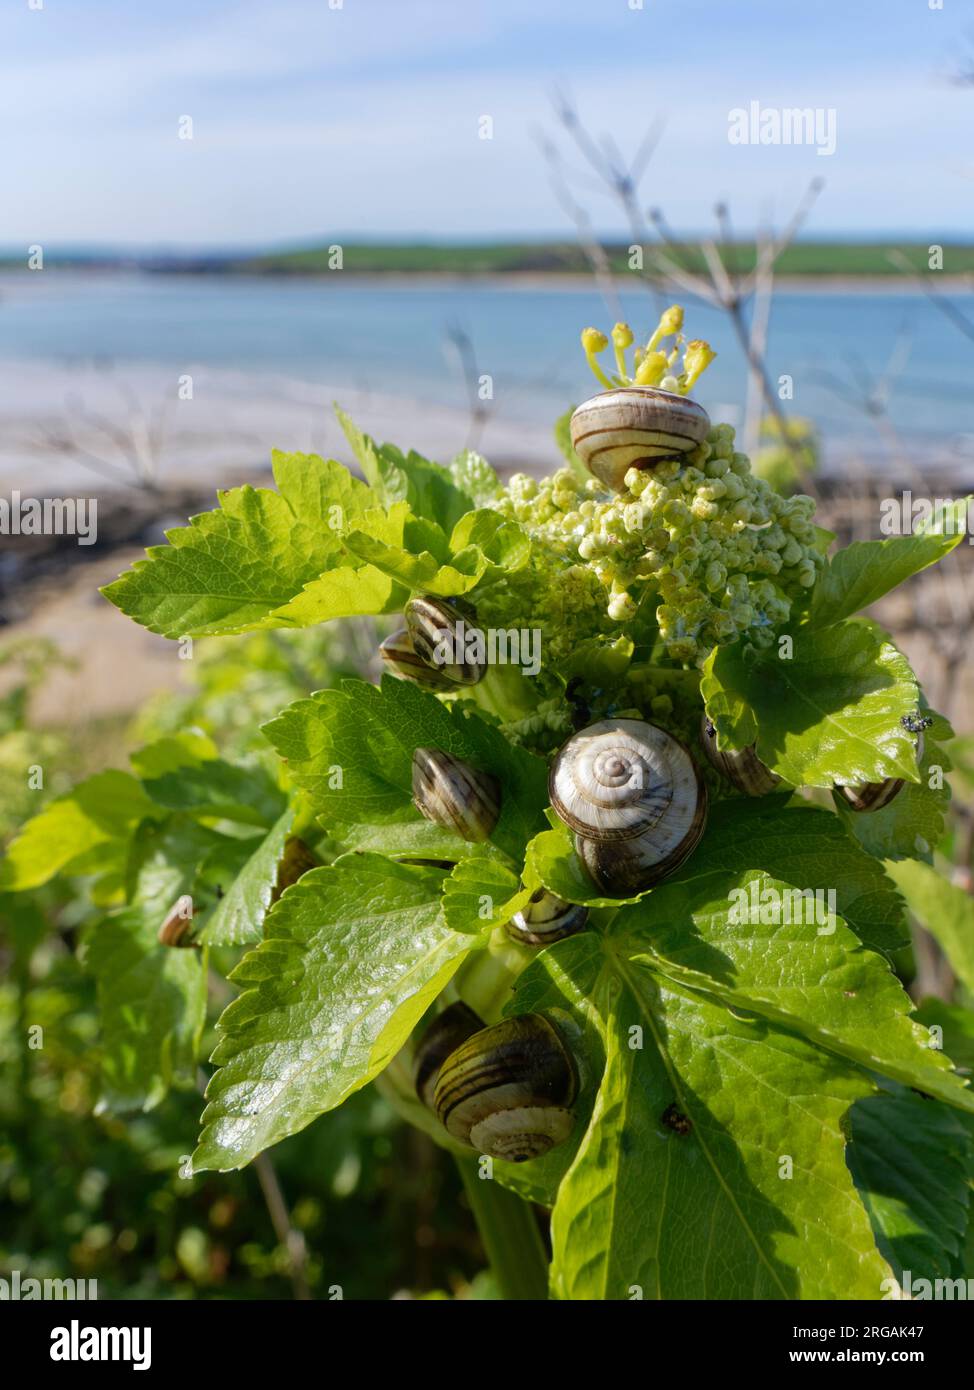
[[448, 1030], [401, 658], [635, 799], [508, 1090], [872, 796], [431, 622], [635, 427], [453, 794], [546, 918], [741, 766]]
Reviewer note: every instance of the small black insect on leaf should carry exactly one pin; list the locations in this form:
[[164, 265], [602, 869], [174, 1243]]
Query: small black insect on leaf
[[674, 1119]]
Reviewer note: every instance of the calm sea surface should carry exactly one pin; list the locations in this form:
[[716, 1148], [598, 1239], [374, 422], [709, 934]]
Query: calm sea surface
[[837, 346]]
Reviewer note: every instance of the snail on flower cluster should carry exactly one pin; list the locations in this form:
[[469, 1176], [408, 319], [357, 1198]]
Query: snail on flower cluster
[[873, 796], [644, 417], [742, 766], [507, 1090], [453, 794], [635, 800]]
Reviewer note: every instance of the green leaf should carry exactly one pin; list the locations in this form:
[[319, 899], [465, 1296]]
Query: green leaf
[[909, 1158], [550, 861], [813, 977], [352, 748], [829, 714], [864, 571], [238, 918], [680, 1186], [352, 957], [956, 1027], [99, 814], [945, 910], [912, 824], [221, 790], [475, 478], [174, 751], [231, 570], [151, 998], [430, 491], [481, 894]]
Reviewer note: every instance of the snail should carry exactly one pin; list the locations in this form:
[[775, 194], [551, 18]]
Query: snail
[[508, 1090], [448, 1030], [635, 427], [873, 796], [546, 918], [635, 800], [453, 794], [178, 925], [437, 629], [742, 766], [400, 657], [296, 860]]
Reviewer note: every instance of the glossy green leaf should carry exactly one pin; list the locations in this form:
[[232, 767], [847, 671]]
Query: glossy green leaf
[[830, 713], [480, 894], [945, 910], [864, 571], [352, 957], [238, 918]]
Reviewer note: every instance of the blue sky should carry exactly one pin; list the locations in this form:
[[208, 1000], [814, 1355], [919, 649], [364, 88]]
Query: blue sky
[[315, 123]]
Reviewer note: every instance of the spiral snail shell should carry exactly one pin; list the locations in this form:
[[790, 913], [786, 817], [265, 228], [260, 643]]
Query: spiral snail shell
[[436, 627], [448, 1030], [546, 918], [742, 766], [400, 657], [873, 796], [634, 798], [508, 1090], [635, 427], [453, 794]]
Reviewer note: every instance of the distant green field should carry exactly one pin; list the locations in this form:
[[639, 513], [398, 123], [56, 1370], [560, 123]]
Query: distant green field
[[566, 258]]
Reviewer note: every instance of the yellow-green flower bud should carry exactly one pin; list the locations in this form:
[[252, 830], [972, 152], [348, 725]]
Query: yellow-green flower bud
[[696, 360]]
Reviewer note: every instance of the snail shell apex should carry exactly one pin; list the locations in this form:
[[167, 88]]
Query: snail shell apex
[[741, 766], [432, 623], [635, 427], [451, 793], [546, 918], [508, 1090]]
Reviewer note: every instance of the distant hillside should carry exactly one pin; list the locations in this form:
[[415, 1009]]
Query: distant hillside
[[567, 258]]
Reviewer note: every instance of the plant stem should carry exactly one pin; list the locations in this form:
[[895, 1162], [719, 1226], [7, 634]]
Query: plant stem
[[509, 1231]]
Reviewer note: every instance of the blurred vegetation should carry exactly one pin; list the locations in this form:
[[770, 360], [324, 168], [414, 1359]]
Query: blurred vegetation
[[377, 1207]]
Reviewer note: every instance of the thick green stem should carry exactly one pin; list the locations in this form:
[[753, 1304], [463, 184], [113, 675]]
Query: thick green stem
[[509, 1231]]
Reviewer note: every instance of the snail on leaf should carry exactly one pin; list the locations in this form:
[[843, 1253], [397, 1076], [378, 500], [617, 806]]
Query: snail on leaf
[[635, 800]]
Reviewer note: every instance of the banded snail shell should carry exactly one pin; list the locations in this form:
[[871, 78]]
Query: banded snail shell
[[873, 796], [436, 627], [451, 793], [400, 657], [448, 1030], [635, 799], [742, 766], [546, 918], [508, 1090], [635, 427]]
